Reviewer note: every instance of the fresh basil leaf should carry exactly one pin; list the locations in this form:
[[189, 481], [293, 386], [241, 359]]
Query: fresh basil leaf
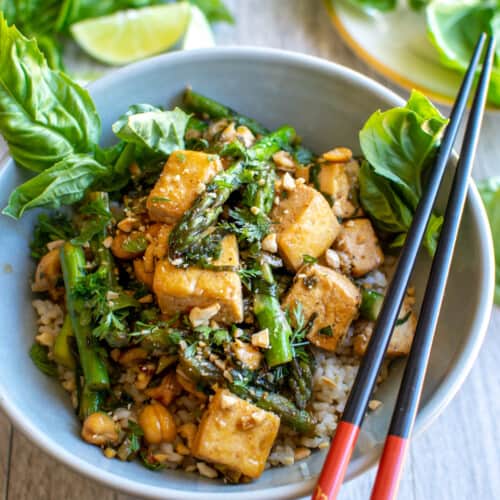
[[39, 354], [399, 144], [454, 28], [118, 158], [490, 193], [44, 115], [152, 128], [63, 184], [52, 50], [215, 11], [381, 201]]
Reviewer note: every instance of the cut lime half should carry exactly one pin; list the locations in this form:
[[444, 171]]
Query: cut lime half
[[133, 34], [199, 34]]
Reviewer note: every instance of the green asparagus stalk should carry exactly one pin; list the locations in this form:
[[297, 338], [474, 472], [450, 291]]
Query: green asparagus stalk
[[200, 104], [300, 420], [62, 351], [90, 402], [207, 207], [205, 373], [93, 368], [300, 381], [266, 306]]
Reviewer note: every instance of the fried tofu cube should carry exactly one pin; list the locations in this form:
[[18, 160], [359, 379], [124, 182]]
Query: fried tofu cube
[[329, 294], [305, 225], [334, 182], [235, 433], [402, 337], [179, 290], [184, 177], [359, 242]]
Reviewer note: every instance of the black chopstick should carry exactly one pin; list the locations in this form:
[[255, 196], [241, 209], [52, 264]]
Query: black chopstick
[[347, 431], [392, 460]]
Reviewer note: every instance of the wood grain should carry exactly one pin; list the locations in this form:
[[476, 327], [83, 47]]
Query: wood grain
[[458, 457], [5, 444]]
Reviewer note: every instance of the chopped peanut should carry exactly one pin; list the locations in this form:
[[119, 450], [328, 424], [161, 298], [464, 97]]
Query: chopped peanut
[[338, 155], [201, 315], [261, 339], [270, 243], [100, 429]]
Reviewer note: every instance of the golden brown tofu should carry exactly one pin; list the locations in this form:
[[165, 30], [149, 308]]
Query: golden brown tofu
[[184, 177], [329, 294], [179, 290], [334, 181], [305, 225], [359, 242], [402, 336], [235, 433]]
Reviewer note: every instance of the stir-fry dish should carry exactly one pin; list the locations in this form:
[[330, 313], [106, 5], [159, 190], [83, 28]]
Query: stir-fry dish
[[205, 287], [212, 314]]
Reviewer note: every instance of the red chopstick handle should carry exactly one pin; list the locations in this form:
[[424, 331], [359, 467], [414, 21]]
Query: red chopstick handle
[[337, 460], [390, 468]]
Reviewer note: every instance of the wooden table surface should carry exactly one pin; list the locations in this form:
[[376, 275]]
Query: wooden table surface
[[458, 457]]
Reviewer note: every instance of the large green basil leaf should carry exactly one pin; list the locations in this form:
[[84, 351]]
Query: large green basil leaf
[[490, 193], [44, 115], [381, 201], [152, 128], [399, 144], [63, 184]]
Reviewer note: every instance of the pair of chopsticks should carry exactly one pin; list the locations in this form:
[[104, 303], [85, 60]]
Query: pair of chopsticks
[[391, 462]]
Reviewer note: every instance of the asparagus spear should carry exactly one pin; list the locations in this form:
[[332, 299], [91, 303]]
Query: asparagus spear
[[207, 207], [203, 372], [200, 104], [300, 382], [300, 420], [94, 371], [266, 305], [62, 351]]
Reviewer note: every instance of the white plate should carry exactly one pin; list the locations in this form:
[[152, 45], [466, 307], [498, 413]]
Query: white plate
[[396, 45]]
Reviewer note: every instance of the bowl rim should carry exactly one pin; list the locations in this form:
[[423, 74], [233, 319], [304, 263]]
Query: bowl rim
[[461, 363]]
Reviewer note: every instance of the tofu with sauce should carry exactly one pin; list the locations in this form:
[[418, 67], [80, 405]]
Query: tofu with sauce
[[179, 290], [402, 336], [236, 433], [305, 225], [183, 178], [329, 294], [334, 182], [358, 241]]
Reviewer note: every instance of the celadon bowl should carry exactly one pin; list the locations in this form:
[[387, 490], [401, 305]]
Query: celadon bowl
[[328, 104]]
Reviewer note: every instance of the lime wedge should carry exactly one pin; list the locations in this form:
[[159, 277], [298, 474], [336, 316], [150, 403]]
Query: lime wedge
[[133, 34], [199, 33]]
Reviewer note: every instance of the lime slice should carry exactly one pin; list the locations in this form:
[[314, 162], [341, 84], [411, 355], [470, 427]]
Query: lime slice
[[133, 34], [199, 33]]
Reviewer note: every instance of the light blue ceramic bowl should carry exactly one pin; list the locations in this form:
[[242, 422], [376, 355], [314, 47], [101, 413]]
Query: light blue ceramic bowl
[[327, 104]]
